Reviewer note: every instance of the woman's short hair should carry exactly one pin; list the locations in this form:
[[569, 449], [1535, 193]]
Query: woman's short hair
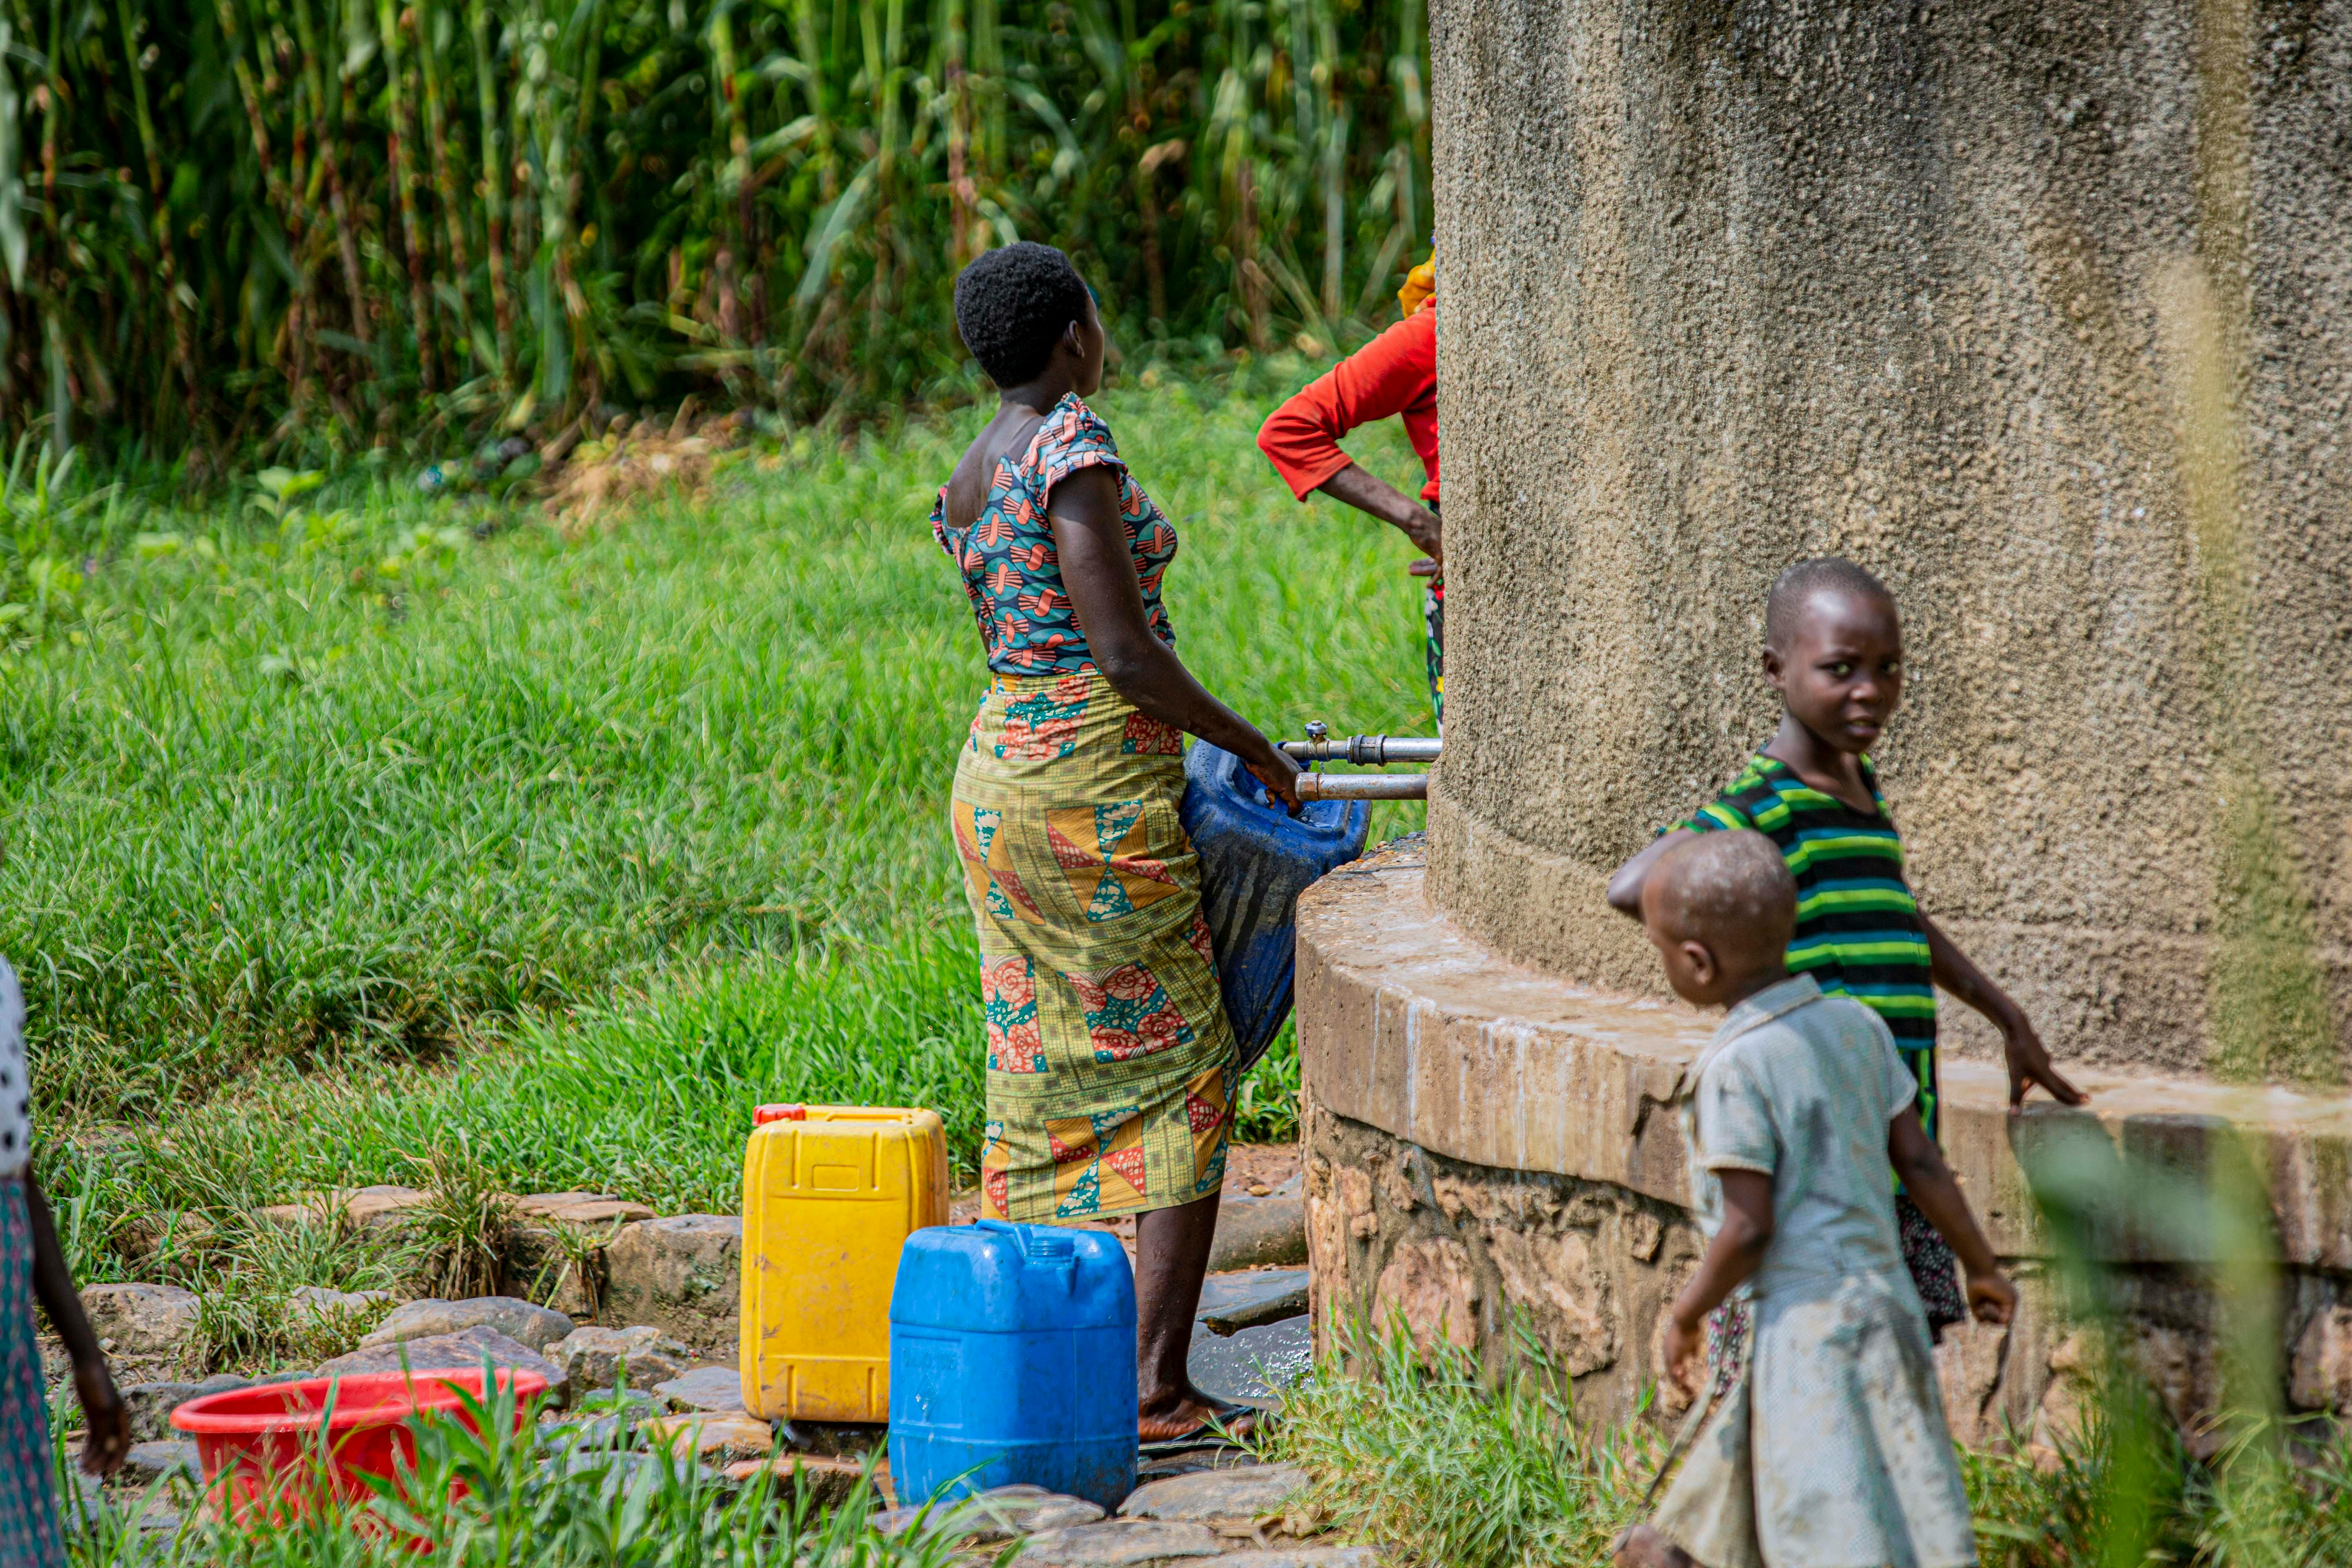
[[1013, 304]]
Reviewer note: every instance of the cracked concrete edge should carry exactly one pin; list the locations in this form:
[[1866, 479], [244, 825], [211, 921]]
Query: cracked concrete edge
[[1409, 1024]]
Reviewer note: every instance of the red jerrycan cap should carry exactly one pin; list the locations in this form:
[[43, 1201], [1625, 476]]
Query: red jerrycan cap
[[764, 1114]]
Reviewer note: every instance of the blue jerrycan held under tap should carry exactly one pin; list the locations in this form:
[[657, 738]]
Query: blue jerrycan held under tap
[[1255, 860], [1013, 1360]]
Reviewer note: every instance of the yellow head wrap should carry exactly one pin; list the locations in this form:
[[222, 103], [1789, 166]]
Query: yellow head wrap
[[1420, 285]]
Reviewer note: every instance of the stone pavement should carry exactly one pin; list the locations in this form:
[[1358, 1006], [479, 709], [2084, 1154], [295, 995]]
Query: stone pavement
[[1243, 1515], [665, 1290]]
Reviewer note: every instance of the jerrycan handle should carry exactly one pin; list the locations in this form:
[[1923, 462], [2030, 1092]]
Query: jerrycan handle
[[1041, 1249]]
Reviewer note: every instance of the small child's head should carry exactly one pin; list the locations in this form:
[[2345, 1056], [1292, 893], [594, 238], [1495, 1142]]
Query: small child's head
[[1720, 910], [1833, 650]]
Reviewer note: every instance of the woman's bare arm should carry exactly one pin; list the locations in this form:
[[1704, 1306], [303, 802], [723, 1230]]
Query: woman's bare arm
[[1360, 488], [1099, 574], [105, 1419]]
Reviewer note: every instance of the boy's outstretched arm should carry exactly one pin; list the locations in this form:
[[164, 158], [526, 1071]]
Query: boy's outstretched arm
[[106, 1419], [1731, 1258], [1625, 886], [1928, 1182], [2029, 1059]]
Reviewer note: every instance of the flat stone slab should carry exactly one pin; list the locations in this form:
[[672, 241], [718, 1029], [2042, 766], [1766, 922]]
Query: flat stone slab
[[148, 1463], [375, 1209], [600, 1358], [734, 1436], [829, 1482], [1245, 1492], [1121, 1543], [682, 1274], [1253, 1366], [150, 1403], [518, 1319], [1408, 1025], [447, 1352], [133, 1319], [621, 1469], [582, 1208], [999, 1514], [323, 1305], [1254, 1231], [1232, 1302], [718, 1388], [1303, 1557]]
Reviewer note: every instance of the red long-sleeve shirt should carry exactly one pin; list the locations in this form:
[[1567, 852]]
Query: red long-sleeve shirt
[[1395, 373]]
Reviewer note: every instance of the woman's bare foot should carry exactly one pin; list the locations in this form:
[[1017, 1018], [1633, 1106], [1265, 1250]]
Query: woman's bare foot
[[1641, 1547], [1190, 1413]]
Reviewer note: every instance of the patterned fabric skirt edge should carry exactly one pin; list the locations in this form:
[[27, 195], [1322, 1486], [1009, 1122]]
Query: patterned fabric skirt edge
[[1111, 1069], [29, 1536]]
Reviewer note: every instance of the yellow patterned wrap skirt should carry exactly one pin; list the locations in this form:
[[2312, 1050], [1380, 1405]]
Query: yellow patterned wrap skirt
[[1111, 1064]]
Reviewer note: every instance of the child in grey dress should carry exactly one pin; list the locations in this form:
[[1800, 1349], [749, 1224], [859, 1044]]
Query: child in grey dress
[[1829, 1448]]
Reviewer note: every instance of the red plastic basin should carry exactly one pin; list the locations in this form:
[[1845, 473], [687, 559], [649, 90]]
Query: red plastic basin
[[262, 1447]]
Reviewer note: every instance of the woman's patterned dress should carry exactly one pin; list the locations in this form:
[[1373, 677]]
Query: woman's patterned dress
[[1111, 1064]]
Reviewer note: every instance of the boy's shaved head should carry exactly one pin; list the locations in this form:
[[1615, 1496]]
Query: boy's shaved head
[[1795, 588], [1729, 890]]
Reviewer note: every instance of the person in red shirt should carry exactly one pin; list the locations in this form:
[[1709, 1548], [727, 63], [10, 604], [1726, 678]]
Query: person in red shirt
[[1394, 374]]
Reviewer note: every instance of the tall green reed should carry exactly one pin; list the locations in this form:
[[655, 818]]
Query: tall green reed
[[302, 227]]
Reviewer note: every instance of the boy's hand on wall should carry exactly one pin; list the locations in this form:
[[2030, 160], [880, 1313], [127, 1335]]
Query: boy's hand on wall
[[2029, 1064], [1991, 1297]]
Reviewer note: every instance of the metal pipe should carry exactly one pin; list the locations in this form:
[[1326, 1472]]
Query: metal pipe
[[1364, 751], [1363, 786]]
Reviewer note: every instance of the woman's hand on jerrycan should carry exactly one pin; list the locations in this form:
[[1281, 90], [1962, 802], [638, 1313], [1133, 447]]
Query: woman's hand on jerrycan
[[1270, 767]]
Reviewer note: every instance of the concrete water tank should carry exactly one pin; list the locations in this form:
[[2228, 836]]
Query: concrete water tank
[[2039, 312]]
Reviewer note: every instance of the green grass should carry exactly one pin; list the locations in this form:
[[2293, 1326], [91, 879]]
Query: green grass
[[571, 852], [1431, 1456], [1446, 1467], [536, 1498]]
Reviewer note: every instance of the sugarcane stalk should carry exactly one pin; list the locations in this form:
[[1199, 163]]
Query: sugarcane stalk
[[558, 293], [438, 136], [988, 63], [289, 211], [401, 139], [575, 303], [51, 112], [1336, 124], [183, 337], [495, 171], [960, 206], [328, 116]]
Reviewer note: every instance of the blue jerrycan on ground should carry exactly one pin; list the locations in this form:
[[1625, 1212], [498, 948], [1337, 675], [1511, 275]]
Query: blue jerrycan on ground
[[1255, 860], [1013, 1359]]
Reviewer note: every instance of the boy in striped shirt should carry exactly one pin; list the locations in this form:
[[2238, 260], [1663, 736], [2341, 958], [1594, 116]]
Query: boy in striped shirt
[[1833, 650]]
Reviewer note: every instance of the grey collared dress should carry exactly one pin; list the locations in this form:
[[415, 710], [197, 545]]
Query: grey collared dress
[[1831, 1450]]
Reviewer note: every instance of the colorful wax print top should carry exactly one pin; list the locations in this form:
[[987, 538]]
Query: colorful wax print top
[[1010, 572], [1858, 928]]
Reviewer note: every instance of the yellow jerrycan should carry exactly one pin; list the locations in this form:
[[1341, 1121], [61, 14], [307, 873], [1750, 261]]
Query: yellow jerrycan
[[830, 1195]]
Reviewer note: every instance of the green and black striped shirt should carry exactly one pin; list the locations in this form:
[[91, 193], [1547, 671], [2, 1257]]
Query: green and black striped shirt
[[1858, 928]]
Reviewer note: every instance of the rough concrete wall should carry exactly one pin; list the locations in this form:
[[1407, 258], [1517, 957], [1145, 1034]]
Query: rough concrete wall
[[2035, 309]]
